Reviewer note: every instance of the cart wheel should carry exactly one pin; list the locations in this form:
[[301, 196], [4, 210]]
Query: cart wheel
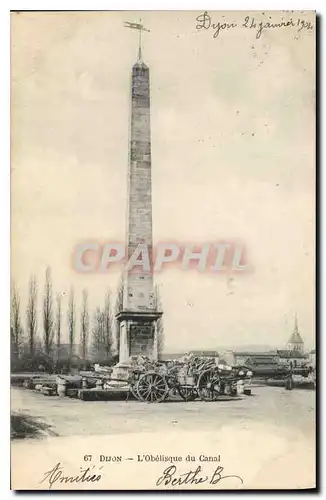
[[133, 381], [133, 390], [152, 388], [209, 385], [187, 393]]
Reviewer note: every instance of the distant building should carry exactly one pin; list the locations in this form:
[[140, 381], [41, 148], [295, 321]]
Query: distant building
[[167, 356], [312, 357], [261, 363], [280, 357], [212, 354], [297, 358], [294, 354], [208, 353], [245, 358], [295, 342]]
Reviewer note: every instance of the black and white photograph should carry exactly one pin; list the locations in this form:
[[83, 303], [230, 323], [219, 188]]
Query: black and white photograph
[[163, 287]]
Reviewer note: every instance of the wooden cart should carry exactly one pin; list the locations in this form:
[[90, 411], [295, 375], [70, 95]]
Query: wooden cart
[[203, 379]]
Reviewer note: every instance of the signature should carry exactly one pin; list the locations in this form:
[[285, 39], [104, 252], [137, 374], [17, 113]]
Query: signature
[[57, 475], [173, 478]]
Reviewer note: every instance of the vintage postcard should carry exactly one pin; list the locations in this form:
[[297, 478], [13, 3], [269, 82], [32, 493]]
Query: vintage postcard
[[163, 250]]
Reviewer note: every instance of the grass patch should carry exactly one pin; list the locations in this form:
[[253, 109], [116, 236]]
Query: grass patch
[[24, 426]]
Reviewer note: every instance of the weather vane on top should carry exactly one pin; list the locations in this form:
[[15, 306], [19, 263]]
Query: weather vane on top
[[138, 27]]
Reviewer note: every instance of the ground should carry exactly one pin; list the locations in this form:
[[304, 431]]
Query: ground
[[267, 438], [293, 411]]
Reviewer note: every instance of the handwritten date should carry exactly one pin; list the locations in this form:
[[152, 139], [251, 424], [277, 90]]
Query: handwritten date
[[204, 21]]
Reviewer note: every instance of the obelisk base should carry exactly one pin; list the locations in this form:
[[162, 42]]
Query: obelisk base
[[138, 334]]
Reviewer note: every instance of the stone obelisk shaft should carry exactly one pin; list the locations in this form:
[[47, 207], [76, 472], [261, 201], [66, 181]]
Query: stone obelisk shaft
[[139, 285], [138, 320]]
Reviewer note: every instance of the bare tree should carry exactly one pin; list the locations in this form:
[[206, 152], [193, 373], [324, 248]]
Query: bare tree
[[31, 314], [102, 331], [48, 313], [71, 317], [58, 325], [15, 324], [118, 308], [160, 325], [84, 325], [108, 325], [98, 329]]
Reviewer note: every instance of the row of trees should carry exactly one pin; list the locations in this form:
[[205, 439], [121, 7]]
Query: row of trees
[[98, 333]]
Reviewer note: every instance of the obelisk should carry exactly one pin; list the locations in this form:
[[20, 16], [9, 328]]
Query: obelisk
[[138, 319]]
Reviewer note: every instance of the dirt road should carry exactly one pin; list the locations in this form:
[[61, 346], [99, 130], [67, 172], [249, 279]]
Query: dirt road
[[293, 411]]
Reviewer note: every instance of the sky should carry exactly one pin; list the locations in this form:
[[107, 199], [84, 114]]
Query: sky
[[233, 158]]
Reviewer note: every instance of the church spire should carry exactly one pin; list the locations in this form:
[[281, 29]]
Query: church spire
[[295, 342], [296, 329]]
